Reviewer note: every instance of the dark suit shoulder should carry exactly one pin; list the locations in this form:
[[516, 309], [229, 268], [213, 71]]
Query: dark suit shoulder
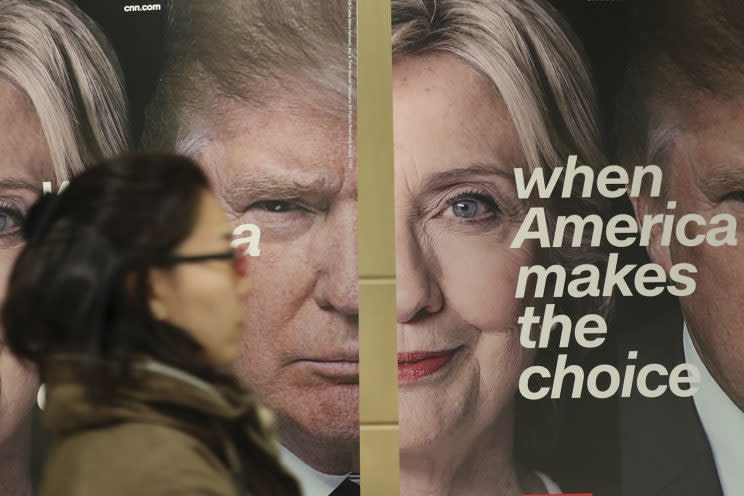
[[664, 449]]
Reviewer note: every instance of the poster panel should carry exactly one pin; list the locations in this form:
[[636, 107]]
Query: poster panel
[[262, 95], [567, 196]]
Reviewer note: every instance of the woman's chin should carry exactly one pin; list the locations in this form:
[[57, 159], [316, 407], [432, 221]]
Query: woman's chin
[[15, 418], [425, 417], [18, 386], [420, 439], [433, 406]]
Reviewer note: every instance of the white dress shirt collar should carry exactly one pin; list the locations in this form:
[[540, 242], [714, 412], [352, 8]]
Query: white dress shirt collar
[[550, 486], [722, 421], [312, 482]]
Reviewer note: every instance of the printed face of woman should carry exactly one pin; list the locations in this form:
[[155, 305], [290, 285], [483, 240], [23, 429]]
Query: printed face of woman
[[457, 211], [25, 163], [204, 298]]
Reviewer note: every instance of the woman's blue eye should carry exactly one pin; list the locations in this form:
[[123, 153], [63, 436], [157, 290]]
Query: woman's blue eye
[[465, 209], [472, 207], [9, 219]]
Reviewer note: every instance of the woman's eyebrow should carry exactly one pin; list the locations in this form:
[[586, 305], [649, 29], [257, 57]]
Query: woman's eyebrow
[[439, 180], [432, 183], [19, 183]]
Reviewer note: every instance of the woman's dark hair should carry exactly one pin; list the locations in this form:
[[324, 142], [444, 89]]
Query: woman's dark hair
[[80, 285]]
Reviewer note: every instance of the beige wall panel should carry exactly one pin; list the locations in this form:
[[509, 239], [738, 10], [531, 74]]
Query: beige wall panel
[[375, 140], [380, 457], [378, 365], [379, 401]]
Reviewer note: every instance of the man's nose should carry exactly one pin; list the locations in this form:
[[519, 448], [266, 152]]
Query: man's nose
[[334, 252]]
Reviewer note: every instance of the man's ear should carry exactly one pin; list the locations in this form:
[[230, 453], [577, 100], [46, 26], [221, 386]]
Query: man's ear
[[155, 298], [644, 205]]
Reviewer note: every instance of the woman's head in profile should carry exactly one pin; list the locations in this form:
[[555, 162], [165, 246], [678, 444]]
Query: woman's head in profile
[[480, 87], [128, 297], [133, 258], [62, 105]]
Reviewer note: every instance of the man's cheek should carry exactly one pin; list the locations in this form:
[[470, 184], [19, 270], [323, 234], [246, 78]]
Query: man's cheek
[[256, 367], [715, 263], [282, 259], [719, 270]]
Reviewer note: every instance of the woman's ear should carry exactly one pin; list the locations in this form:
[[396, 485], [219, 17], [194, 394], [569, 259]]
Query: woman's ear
[[157, 289], [158, 309], [647, 206]]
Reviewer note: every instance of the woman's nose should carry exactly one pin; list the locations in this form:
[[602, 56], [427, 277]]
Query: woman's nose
[[417, 290]]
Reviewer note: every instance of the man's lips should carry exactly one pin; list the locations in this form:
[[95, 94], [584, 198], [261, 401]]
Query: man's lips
[[340, 366], [415, 365], [342, 355]]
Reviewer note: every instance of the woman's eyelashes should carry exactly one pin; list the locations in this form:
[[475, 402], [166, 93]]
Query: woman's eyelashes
[[471, 206], [11, 218]]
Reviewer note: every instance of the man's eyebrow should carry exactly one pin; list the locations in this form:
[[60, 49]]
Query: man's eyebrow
[[436, 181], [723, 178], [278, 187]]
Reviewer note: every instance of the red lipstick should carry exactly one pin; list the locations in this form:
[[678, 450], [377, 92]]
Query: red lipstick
[[418, 364]]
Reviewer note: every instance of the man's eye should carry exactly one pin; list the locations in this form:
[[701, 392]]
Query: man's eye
[[737, 196], [275, 206], [280, 219]]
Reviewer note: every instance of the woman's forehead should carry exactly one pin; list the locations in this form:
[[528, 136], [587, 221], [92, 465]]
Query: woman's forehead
[[447, 116], [24, 153]]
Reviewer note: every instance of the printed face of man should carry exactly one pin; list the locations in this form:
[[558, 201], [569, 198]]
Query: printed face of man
[[285, 168], [704, 172]]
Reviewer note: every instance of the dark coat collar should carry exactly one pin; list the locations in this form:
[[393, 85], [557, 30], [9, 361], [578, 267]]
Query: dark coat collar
[[153, 390], [221, 414]]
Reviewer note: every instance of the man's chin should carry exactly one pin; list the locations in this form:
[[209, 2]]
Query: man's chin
[[327, 415], [343, 434]]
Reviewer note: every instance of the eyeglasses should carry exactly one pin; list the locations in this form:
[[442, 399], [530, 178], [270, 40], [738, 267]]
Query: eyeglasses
[[240, 263]]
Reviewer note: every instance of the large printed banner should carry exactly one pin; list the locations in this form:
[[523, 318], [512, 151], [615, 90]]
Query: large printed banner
[[262, 95], [569, 198]]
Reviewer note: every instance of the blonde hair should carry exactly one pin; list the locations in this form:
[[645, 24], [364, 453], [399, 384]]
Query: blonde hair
[[528, 54], [249, 52], [56, 55]]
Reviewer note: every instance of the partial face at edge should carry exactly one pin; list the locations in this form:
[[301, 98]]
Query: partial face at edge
[[457, 212], [704, 173], [25, 162]]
